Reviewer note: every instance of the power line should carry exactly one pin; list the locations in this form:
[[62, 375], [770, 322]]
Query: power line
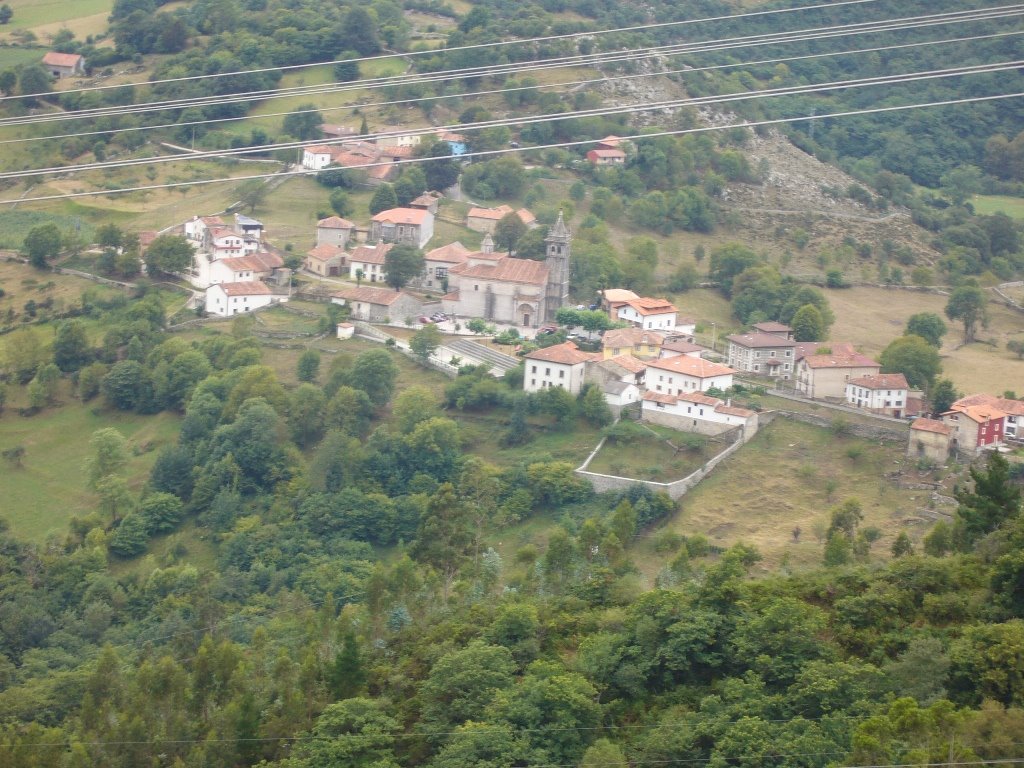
[[913, 22], [597, 112], [539, 86], [558, 145], [475, 46]]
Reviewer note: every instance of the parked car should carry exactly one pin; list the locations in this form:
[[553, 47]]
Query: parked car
[[439, 317], [424, 320], [595, 305]]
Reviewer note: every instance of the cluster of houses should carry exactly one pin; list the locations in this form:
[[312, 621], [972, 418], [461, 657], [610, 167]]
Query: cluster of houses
[[479, 283], [375, 155], [973, 424], [654, 361], [231, 261]]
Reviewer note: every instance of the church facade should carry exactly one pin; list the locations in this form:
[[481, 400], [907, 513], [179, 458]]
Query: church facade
[[521, 292]]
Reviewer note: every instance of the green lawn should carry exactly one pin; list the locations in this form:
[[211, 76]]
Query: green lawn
[[989, 204], [14, 225], [13, 57], [33, 13], [50, 487], [482, 434], [651, 458]]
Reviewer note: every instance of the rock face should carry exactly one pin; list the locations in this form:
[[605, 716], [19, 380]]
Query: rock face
[[797, 191]]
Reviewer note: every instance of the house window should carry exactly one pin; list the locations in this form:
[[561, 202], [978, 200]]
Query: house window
[[533, 369], [476, 287], [547, 371], [789, 353], [533, 382], [561, 374]]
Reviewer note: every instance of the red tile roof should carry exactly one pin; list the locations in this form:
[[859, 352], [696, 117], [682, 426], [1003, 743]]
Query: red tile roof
[[881, 381], [565, 354], [854, 360], [760, 340], [930, 425], [335, 222], [631, 337], [371, 254], [453, 253], [415, 216], [607, 153], [325, 252], [54, 59], [370, 295], [772, 327], [618, 294], [628, 362], [509, 270], [254, 288], [697, 367], [649, 306], [1012, 407]]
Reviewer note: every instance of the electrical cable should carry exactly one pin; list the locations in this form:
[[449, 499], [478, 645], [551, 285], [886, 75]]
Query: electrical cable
[[551, 117]]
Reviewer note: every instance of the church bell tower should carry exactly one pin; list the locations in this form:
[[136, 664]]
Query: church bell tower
[[558, 242]]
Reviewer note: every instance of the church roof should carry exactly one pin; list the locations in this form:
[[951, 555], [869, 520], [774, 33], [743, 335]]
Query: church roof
[[510, 271]]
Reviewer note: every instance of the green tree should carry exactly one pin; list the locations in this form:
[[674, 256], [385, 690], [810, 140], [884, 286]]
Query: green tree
[[375, 373], [6, 14], [349, 410], [43, 388], [808, 324], [8, 82], [130, 537], [251, 194], [34, 81], [915, 358], [445, 534], [109, 455], [303, 123], [943, 395], [41, 244], [401, 264], [928, 326], [308, 367], [340, 203], [967, 304], [169, 254], [593, 407], [360, 32], [463, 682], [383, 199], [508, 231], [443, 171], [126, 386], [412, 406], [902, 546], [1017, 347], [306, 407], [162, 512], [425, 341], [346, 675], [346, 70], [727, 262], [24, 353], [993, 500]]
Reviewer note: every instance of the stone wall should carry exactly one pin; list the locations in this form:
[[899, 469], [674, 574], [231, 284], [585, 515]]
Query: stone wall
[[896, 432]]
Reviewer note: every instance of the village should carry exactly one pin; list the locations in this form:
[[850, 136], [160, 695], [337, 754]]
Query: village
[[644, 358]]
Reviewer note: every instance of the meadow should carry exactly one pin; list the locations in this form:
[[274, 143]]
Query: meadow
[[989, 204]]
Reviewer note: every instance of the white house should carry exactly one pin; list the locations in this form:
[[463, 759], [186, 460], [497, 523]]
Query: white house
[[316, 158], [561, 365], [697, 412], [884, 393], [225, 243], [61, 65], [369, 261], [649, 314], [378, 305], [226, 299], [681, 374]]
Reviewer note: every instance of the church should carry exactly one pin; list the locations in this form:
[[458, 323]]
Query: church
[[505, 290]]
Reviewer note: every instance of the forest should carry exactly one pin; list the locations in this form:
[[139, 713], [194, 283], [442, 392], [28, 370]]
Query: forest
[[313, 575]]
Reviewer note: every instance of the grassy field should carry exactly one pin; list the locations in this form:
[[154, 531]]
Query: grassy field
[[482, 434], [651, 458], [13, 57], [872, 317], [782, 479], [50, 487], [30, 14], [14, 225], [989, 204]]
